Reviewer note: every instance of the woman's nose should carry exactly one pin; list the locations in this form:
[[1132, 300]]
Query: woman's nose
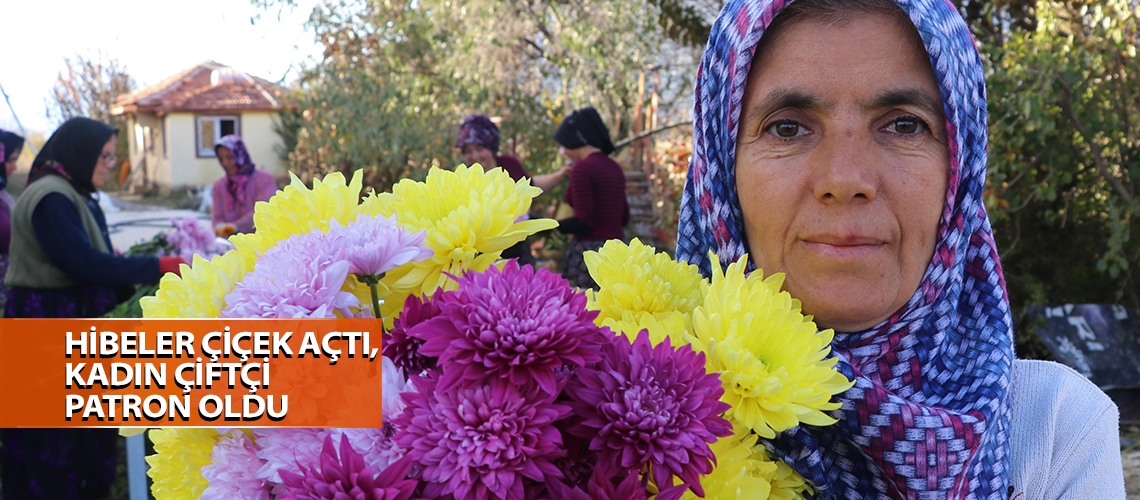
[[845, 170]]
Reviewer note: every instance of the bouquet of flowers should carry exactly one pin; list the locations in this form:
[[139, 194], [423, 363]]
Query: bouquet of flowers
[[658, 385], [187, 237]]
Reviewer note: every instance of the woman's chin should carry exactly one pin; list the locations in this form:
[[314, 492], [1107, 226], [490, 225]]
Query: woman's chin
[[847, 305]]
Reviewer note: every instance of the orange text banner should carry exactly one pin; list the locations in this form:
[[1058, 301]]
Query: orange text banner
[[191, 372]]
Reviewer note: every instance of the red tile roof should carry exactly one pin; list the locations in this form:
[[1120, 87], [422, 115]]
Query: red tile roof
[[206, 87]]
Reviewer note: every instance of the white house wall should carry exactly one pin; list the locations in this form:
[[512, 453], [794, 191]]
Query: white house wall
[[262, 141], [148, 156], [186, 169]]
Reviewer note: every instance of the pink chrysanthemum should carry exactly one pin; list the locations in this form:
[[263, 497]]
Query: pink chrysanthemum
[[481, 442], [301, 277], [374, 245], [515, 324], [232, 472], [344, 476], [403, 349], [283, 448], [190, 237], [377, 447], [646, 406], [395, 384]]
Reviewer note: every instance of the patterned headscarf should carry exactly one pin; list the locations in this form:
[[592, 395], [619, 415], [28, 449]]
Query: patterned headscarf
[[480, 130], [235, 183], [928, 416], [236, 146]]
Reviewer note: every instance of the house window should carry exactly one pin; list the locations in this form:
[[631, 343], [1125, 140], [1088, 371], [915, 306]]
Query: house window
[[210, 130]]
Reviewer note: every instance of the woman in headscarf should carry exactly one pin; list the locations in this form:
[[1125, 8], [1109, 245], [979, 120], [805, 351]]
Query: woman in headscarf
[[843, 142], [478, 142], [596, 191], [11, 145], [63, 266], [240, 189], [62, 263]]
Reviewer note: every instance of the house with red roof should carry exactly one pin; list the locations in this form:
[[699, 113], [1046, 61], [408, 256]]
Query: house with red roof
[[173, 125]]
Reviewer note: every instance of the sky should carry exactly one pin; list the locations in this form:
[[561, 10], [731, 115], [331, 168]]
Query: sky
[[153, 39]]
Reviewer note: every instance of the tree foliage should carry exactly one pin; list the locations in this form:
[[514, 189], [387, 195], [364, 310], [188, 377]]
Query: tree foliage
[[88, 87], [1064, 102], [398, 76], [1064, 186]]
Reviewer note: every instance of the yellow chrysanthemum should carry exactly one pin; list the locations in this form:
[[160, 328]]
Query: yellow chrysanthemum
[[772, 360], [176, 466], [470, 217], [786, 483], [298, 209], [740, 474], [201, 290], [673, 325], [637, 279]]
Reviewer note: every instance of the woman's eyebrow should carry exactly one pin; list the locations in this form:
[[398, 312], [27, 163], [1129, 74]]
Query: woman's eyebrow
[[785, 98], [906, 97]]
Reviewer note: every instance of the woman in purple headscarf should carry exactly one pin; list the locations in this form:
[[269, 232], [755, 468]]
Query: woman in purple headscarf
[[243, 186], [478, 142], [843, 143]]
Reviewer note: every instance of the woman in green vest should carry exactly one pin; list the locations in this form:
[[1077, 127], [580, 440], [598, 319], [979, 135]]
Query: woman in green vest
[[63, 266], [62, 262]]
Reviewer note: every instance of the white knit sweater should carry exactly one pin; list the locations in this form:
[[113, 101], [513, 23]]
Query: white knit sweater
[[1064, 436]]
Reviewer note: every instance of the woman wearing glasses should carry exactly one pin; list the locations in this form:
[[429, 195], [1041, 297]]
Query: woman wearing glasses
[[62, 264]]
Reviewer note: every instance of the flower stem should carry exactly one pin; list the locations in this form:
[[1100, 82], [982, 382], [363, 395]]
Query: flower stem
[[376, 303], [372, 281]]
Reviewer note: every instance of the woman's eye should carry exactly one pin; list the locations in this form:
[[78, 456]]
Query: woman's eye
[[785, 130], [906, 126]]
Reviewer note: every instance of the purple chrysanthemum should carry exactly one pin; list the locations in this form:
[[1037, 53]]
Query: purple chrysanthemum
[[232, 472], [301, 277], [374, 245], [577, 465], [344, 476], [403, 349], [650, 406], [481, 441], [515, 324], [602, 488]]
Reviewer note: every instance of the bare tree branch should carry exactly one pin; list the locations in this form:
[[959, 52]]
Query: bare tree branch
[[630, 140]]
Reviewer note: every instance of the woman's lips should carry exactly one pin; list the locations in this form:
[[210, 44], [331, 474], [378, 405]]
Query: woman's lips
[[843, 247]]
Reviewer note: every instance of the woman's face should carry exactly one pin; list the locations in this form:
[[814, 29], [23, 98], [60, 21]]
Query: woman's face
[[842, 166], [574, 154], [226, 158], [474, 153], [10, 162], [104, 163]]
